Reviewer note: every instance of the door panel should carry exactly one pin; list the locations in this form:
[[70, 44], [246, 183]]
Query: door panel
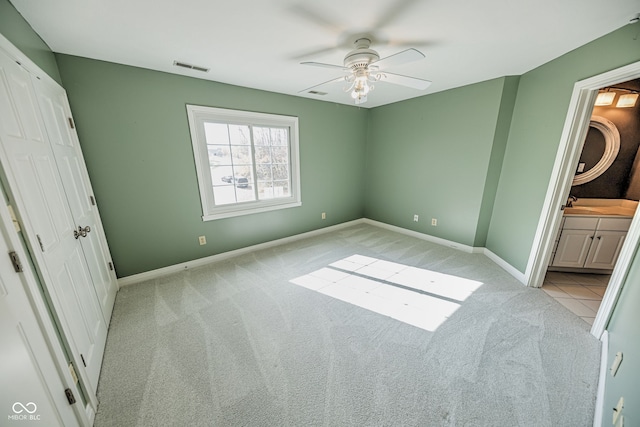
[[68, 156], [33, 389], [32, 175]]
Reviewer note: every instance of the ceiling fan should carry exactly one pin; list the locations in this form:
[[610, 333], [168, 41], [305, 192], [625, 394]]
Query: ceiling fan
[[362, 67]]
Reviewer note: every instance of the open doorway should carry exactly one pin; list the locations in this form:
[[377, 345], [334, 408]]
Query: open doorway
[[567, 159], [601, 203]]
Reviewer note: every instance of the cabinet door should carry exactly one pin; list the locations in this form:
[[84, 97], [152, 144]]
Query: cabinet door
[[605, 249], [573, 248]]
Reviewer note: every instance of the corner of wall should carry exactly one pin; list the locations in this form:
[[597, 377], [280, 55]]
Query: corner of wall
[[19, 32], [503, 124]]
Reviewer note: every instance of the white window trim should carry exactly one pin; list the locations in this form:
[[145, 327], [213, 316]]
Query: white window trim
[[197, 116]]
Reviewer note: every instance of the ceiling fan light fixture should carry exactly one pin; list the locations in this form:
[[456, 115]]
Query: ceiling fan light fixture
[[361, 87]]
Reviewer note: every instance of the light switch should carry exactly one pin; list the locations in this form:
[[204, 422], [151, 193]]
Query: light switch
[[580, 167], [616, 364]]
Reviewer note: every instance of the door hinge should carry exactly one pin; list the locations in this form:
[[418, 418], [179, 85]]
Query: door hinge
[[15, 260], [70, 397], [73, 373], [83, 362], [71, 125], [92, 200], [40, 241], [111, 266], [14, 218]]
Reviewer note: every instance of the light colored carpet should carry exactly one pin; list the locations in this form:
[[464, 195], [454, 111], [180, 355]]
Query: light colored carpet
[[237, 343]]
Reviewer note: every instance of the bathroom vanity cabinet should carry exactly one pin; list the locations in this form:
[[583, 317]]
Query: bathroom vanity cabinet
[[590, 242]]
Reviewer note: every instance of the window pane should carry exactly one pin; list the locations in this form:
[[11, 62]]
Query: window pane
[[261, 136], [239, 135], [273, 190], [279, 137], [280, 172], [216, 133], [264, 172], [224, 195], [280, 154], [221, 175], [282, 188], [263, 155]]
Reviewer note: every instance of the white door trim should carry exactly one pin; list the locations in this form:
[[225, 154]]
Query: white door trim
[[568, 154]]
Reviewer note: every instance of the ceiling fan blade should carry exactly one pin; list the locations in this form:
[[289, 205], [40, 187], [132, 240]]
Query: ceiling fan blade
[[392, 12], [403, 57], [315, 16], [314, 53], [321, 64], [413, 43], [407, 81], [336, 80]]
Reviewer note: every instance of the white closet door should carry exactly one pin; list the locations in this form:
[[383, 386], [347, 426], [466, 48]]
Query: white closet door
[[32, 391], [32, 175], [66, 149]]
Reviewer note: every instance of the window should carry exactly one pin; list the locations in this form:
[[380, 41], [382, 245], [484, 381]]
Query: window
[[245, 162]]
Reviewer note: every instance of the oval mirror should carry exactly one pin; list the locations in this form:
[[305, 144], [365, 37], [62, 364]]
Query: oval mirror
[[611, 149]]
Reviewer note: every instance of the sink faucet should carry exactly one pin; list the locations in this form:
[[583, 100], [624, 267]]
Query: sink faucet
[[570, 201]]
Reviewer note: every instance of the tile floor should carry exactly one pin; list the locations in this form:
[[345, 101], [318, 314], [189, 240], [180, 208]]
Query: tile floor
[[581, 293]]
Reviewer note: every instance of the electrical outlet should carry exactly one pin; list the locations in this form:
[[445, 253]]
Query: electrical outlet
[[434, 221], [202, 240], [415, 218], [324, 215]]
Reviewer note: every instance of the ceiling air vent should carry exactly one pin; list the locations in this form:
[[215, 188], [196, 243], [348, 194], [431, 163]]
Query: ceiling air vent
[[315, 92], [191, 67]]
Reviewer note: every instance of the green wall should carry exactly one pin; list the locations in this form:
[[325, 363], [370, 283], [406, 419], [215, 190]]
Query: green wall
[[434, 156], [19, 32], [538, 118], [624, 336], [437, 156], [135, 137]]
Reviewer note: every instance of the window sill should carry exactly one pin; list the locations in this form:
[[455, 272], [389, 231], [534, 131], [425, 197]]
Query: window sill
[[249, 211]]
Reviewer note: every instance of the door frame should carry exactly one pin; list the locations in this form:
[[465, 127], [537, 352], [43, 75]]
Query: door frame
[[571, 142]]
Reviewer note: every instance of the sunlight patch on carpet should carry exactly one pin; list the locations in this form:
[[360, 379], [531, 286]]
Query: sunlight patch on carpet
[[416, 296]]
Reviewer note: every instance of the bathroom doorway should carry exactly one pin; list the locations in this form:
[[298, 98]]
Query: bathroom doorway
[[600, 205], [564, 170]]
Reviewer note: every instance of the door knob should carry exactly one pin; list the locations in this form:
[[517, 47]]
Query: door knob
[[81, 232]]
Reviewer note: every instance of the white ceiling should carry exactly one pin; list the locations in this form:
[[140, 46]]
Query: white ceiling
[[260, 43]]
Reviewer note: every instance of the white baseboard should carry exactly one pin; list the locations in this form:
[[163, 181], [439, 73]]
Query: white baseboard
[[427, 237], [455, 245], [519, 276], [604, 365], [154, 274]]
